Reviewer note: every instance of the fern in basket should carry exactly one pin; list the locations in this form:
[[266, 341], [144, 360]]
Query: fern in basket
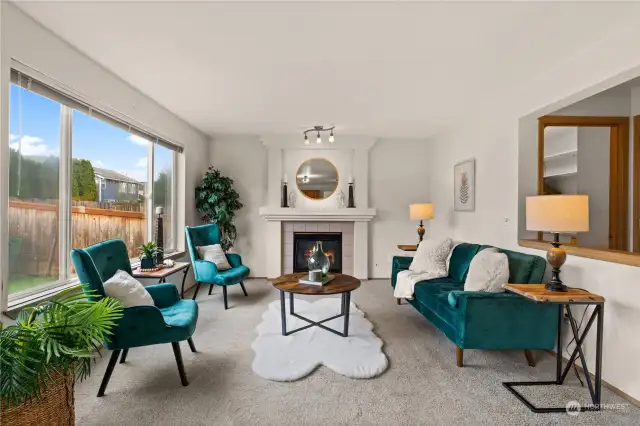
[[59, 337]]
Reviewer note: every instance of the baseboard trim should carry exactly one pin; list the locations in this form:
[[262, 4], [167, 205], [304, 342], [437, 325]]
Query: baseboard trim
[[606, 384]]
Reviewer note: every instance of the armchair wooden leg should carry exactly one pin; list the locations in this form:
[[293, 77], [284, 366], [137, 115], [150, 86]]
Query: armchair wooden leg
[[243, 289], [530, 360], [195, 293], [224, 294], [192, 345], [210, 289], [123, 358], [178, 354], [459, 356], [399, 301], [107, 374]]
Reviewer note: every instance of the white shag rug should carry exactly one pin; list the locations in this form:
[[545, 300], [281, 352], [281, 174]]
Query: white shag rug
[[288, 358]]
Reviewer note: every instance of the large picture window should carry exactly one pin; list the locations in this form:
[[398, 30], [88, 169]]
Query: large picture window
[[116, 209], [34, 176], [78, 176]]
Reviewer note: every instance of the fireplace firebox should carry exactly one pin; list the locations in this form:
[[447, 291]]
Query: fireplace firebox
[[303, 243]]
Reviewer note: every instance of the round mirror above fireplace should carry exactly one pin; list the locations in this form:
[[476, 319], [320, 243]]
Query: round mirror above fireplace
[[317, 178]]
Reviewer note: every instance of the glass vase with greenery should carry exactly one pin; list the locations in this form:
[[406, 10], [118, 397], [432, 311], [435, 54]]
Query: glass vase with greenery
[[55, 339], [218, 201]]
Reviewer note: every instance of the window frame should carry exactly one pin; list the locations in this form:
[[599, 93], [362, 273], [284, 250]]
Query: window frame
[[65, 279]]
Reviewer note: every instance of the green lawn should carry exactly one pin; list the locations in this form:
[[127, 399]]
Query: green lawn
[[19, 283]]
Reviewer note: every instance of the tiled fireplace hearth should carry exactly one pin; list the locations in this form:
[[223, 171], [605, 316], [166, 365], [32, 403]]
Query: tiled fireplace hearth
[[299, 238]]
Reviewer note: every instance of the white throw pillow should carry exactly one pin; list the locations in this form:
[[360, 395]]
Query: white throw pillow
[[431, 256], [129, 291], [488, 271], [215, 254]]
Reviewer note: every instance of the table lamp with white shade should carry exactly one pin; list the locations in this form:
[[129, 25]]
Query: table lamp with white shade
[[421, 212], [557, 214]]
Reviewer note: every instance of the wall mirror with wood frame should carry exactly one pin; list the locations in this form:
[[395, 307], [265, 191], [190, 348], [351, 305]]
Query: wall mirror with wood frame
[[317, 178], [592, 148]]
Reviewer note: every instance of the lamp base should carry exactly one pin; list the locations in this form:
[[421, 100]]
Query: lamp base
[[556, 285], [556, 258], [420, 232]]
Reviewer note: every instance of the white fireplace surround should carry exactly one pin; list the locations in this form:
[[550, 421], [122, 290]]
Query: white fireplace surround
[[350, 156]]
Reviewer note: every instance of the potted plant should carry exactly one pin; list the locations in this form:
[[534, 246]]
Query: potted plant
[[148, 254], [50, 347], [218, 201]]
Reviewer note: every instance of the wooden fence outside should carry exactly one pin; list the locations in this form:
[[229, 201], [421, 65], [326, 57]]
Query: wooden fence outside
[[33, 233]]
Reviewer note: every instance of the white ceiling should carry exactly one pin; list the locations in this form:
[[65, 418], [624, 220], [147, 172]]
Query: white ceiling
[[378, 69]]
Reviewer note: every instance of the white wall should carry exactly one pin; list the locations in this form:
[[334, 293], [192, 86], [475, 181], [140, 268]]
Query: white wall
[[398, 176], [491, 136], [26, 41], [244, 159]]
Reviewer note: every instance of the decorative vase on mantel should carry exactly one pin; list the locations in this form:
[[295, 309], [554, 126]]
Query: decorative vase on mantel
[[319, 260]]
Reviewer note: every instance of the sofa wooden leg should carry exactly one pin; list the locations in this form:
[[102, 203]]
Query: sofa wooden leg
[[399, 301], [224, 295], [459, 355], [530, 360]]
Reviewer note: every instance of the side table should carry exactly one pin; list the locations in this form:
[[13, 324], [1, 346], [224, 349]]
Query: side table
[[163, 273], [575, 296], [408, 247]]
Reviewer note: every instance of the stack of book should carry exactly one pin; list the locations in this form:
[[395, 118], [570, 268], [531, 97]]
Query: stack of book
[[316, 279]]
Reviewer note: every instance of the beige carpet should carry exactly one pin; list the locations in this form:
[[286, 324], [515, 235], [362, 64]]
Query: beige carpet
[[422, 386]]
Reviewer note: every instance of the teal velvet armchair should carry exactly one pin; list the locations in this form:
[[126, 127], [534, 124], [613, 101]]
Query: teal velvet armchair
[[171, 320], [205, 271]]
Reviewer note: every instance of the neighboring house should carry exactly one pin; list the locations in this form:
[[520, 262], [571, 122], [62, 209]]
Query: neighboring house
[[114, 186]]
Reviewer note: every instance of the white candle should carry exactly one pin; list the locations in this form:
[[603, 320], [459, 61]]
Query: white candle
[[285, 180], [159, 210], [350, 178]]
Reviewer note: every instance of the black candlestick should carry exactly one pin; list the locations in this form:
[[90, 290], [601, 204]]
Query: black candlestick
[[159, 237], [351, 204], [285, 198]]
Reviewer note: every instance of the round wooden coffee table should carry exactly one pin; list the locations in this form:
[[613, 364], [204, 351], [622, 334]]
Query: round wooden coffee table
[[341, 284]]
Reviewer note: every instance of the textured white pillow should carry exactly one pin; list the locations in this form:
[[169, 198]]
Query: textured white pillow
[[215, 254], [488, 270], [128, 290], [431, 256]]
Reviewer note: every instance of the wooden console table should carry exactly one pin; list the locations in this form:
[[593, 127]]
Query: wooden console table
[[408, 247], [539, 294], [163, 273]]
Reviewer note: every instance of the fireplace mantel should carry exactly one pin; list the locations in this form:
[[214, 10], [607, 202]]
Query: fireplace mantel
[[279, 214]]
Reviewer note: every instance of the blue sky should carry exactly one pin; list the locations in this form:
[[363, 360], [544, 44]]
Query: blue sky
[[104, 145]]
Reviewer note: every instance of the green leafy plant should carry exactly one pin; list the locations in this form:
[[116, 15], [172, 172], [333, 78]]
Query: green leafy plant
[[58, 337], [219, 201], [149, 250]]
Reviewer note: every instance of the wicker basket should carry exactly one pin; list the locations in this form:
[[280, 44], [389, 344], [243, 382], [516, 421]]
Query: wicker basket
[[54, 408]]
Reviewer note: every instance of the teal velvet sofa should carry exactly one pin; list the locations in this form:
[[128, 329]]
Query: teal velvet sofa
[[480, 320]]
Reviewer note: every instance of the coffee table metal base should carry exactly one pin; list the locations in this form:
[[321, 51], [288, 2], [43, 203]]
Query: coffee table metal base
[[344, 312]]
